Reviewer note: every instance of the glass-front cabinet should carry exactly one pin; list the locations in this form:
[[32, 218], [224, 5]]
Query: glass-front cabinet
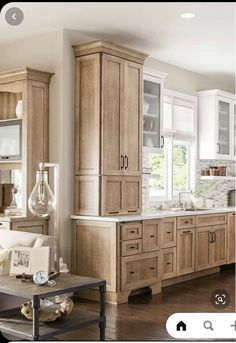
[[224, 134], [152, 112], [217, 125]]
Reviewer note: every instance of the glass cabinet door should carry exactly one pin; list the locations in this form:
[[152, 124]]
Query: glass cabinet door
[[151, 113], [223, 144]]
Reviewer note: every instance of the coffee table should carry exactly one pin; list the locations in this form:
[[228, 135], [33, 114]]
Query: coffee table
[[14, 323]]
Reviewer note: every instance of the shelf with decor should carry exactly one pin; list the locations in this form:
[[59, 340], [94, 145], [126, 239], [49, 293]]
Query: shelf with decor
[[24, 129], [211, 177]]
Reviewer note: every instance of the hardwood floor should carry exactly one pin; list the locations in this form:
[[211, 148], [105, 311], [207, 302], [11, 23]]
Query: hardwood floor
[[144, 317]]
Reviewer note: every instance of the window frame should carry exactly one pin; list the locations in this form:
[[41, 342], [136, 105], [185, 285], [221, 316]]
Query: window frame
[[172, 136]]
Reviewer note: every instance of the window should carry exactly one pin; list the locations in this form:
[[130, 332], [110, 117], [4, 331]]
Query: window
[[172, 170]]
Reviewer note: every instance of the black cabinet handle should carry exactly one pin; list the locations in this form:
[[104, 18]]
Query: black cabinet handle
[[186, 222], [132, 211], [114, 212], [152, 268], [131, 272], [122, 162], [163, 141], [210, 237], [152, 236], [168, 232], [127, 161], [233, 214], [214, 236], [132, 247], [184, 232], [168, 262], [132, 231]]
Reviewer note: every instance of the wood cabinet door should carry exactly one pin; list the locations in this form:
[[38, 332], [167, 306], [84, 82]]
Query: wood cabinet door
[[87, 117], [111, 196], [219, 245], [168, 263], [204, 244], [152, 235], [133, 118], [231, 238], [112, 133], [140, 270], [185, 251], [168, 232], [132, 194]]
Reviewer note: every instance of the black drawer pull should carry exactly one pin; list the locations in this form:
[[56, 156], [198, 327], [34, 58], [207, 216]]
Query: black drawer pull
[[132, 211], [0, 223], [114, 212], [168, 232], [152, 268], [152, 236], [168, 263], [189, 231], [186, 222], [131, 272], [132, 231], [233, 214], [132, 248]]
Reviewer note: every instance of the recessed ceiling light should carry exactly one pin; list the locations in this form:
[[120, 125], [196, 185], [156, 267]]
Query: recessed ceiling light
[[188, 15]]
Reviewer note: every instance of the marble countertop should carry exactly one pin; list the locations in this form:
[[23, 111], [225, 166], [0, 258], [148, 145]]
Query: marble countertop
[[154, 215]]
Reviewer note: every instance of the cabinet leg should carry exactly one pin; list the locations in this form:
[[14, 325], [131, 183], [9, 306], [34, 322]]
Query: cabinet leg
[[36, 305], [102, 322], [156, 288]]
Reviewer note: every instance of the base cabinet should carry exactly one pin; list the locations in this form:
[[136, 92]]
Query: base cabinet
[[140, 271], [210, 246], [230, 244], [26, 225], [185, 251], [168, 263]]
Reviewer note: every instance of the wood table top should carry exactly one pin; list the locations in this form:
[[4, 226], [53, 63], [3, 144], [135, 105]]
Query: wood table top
[[64, 283]]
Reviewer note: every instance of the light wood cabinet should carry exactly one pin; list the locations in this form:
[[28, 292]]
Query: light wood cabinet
[[108, 134], [168, 232], [230, 246], [186, 222], [121, 195], [185, 251], [152, 235], [140, 271], [211, 219], [210, 246], [131, 230], [168, 263]]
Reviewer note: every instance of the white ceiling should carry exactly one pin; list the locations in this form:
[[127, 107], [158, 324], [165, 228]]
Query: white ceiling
[[205, 44]]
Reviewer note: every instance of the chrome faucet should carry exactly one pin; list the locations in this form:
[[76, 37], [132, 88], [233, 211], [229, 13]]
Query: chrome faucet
[[180, 193]]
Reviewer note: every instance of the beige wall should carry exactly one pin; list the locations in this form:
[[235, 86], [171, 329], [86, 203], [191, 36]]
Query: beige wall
[[52, 52], [184, 81]]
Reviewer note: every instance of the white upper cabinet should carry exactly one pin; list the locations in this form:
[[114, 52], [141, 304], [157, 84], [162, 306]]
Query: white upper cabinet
[[217, 125], [152, 109]]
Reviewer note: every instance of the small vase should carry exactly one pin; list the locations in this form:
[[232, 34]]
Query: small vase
[[19, 109]]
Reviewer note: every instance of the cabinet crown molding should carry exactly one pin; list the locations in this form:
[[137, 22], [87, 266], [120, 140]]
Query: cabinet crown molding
[[217, 92], [99, 46], [25, 73]]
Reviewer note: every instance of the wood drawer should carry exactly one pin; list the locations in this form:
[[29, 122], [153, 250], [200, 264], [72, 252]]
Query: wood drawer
[[5, 225], [168, 263], [131, 231], [186, 222], [131, 247], [168, 232], [152, 235], [211, 219], [140, 271]]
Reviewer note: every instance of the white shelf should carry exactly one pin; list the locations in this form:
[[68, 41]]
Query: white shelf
[[208, 177], [150, 132], [151, 115], [150, 95]]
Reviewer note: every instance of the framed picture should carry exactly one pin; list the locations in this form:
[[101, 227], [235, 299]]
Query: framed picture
[[29, 260]]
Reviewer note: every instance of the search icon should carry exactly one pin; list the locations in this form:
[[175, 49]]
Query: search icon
[[208, 325]]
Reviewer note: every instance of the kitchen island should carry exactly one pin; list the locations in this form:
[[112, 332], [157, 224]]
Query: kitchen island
[[135, 253]]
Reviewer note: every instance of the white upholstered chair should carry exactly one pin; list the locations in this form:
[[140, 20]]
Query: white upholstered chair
[[10, 239]]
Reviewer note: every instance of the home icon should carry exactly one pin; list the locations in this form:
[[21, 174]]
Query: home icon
[[181, 326]]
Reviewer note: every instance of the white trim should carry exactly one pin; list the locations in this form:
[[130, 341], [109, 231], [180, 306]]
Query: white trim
[[217, 92], [169, 92], [153, 72]]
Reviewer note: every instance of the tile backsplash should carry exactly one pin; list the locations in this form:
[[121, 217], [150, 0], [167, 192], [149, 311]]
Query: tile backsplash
[[216, 189]]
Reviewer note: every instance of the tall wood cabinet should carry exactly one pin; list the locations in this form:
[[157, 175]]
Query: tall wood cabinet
[[108, 129], [32, 88]]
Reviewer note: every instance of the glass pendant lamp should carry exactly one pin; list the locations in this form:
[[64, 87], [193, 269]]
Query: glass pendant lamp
[[41, 201]]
